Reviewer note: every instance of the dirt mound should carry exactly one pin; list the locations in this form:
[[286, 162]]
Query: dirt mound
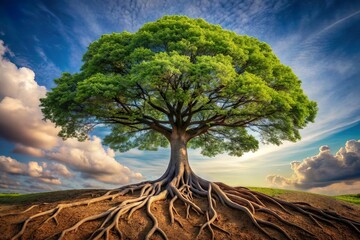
[[323, 202], [230, 224]]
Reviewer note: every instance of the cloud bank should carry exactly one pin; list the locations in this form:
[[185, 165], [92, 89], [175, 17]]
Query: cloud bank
[[325, 169], [20, 120], [33, 171], [21, 123], [92, 160]]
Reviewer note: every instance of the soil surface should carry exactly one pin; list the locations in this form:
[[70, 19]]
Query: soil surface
[[236, 223]]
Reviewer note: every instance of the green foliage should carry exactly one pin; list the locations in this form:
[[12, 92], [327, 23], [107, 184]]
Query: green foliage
[[185, 75]]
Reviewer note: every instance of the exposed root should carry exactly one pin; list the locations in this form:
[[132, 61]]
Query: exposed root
[[210, 221], [26, 210], [185, 187], [155, 227]]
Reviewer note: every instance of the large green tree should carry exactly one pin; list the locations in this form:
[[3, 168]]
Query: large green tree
[[185, 83], [182, 82]]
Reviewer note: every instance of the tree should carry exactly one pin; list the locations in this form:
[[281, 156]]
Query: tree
[[185, 83], [181, 81]]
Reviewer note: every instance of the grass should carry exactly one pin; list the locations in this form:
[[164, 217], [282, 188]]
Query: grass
[[10, 194], [18, 198], [351, 198]]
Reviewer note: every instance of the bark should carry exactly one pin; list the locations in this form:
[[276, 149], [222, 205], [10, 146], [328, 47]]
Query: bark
[[179, 167]]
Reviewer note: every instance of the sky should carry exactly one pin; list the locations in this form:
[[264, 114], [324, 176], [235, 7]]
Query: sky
[[318, 39]]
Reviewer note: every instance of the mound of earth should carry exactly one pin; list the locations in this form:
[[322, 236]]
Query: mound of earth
[[230, 223]]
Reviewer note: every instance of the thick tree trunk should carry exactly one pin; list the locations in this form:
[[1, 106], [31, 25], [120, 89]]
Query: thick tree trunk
[[179, 165]]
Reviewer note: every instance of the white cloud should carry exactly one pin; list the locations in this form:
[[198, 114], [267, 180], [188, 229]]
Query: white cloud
[[347, 187], [19, 148], [9, 183], [32, 170], [60, 169], [324, 169], [10, 165], [92, 160], [20, 120], [21, 123]]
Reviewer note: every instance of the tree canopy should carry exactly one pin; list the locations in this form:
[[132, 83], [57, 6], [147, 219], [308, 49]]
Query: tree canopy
[[220, 90]]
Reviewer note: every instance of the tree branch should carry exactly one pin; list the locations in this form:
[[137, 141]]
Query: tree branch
[[146, 97]]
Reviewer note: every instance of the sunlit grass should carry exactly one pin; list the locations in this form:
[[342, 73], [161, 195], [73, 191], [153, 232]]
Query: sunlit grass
[[10, 194], [18, 198], [351, 198]]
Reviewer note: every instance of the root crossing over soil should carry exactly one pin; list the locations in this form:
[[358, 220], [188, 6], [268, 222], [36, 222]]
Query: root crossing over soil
[[184, 186]]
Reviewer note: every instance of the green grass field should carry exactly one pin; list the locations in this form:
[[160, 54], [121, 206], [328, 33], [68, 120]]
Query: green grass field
[[351, 198], [17, 198]]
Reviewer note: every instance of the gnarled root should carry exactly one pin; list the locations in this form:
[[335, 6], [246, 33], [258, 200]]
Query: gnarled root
[[184, 188]]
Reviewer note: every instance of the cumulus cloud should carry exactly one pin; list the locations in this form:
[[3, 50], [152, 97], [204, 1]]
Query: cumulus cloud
[[21, 123], [21, 116], [93, 161], [33, 170], [10, 165], [60, 169], [346, 187], [325, 169], [8, 183], [19, 148]]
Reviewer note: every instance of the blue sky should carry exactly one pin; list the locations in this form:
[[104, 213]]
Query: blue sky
[[319, 40]]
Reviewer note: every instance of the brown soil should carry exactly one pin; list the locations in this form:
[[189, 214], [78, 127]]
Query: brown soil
[[235, 222]]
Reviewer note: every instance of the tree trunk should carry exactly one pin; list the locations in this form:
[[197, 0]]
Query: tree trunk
[[179, 165]]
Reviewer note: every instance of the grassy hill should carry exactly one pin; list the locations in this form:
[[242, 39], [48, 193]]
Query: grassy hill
[[14, 207], [17, 198], [351, 198]]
